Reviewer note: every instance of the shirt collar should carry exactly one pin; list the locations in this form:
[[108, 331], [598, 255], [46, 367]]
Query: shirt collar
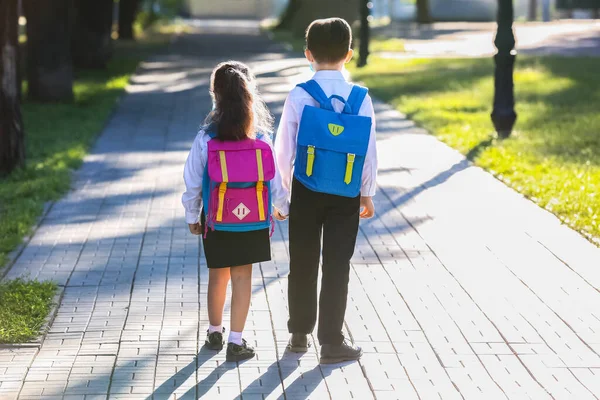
[[329, 75]]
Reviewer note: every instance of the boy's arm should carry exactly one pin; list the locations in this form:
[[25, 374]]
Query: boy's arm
[[369, 177], [279, 195], [192, 175], [285, 146]]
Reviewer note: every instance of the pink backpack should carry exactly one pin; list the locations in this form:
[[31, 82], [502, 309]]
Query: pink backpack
[[236, 186]]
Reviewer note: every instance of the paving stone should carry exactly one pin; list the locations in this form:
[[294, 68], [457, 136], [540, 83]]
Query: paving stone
[[459, 287]]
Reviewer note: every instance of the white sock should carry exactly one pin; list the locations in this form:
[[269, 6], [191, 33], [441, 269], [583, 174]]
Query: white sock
[[235, 337], [215, 328]]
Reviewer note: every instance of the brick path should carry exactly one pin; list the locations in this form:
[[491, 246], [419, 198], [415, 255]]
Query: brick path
[[460, 288]]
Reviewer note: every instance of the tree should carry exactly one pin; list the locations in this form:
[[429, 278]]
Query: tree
[[92, 42], [364, 11], [12, 141], [503, 115], [49, 63], [533, 7], [423, 12], [300, 13], [286, 19], [127, 12]]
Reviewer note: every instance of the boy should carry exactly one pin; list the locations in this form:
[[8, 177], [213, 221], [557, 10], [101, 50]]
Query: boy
[[331, 166]]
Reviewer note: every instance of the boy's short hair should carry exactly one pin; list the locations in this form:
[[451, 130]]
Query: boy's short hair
[[329, 39]]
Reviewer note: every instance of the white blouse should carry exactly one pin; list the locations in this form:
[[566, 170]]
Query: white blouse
[[193, 175]]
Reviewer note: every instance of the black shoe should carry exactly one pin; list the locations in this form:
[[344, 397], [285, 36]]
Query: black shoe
[[214, 340], [239, 353], [298, 343], [346, 351]]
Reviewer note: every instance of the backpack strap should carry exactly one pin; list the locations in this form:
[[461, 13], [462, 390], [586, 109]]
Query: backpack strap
[[312, 88], [356, 98], [211, 134]]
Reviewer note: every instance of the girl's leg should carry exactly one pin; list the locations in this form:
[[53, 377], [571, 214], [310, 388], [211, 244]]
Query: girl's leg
[[241, 288], [218, 278]]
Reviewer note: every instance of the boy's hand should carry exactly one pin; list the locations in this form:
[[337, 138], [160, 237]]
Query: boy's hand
[[367, 208], [278, 216], [196, 228]]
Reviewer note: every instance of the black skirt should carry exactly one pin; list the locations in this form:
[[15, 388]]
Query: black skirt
[[232, 249]]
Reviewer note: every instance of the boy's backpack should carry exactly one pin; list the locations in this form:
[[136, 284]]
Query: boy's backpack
[[332, 146], [236, 185]]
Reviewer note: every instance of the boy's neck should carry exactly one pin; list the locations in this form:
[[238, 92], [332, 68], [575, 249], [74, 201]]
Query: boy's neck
[[329, 67]]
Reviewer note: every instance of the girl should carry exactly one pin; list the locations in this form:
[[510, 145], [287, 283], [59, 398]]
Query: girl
[[238, 114]]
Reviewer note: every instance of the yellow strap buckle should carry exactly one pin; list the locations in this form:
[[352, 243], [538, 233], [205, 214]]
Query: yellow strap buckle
[[310, 161], [259, 198], [349, 165], [222, 190]]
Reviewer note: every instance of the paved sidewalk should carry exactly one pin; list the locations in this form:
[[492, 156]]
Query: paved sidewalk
[[476, 39], [460, 288]]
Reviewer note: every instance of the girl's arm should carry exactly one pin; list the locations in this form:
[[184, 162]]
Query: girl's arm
[[193, 175]]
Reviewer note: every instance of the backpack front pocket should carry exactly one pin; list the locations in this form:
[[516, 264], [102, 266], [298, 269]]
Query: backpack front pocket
[[230, 205]]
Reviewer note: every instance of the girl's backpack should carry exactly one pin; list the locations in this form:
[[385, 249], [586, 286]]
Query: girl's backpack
[[236, 185], [332, 146]]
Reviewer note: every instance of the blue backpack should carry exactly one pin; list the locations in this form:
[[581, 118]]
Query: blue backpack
[[332, 146]]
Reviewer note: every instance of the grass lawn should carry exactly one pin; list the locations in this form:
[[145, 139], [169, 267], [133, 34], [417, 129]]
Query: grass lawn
[[59, 135], [553, 156], [23, 309]]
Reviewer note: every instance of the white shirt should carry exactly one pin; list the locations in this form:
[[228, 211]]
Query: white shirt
[[193, 175], [332, 82]]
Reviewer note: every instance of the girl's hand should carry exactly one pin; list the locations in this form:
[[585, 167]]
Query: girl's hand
[[195, 229], [278, 216], [367, 208]]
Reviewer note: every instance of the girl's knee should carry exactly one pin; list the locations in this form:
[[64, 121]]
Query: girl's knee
[[219, 276], [241, 273]]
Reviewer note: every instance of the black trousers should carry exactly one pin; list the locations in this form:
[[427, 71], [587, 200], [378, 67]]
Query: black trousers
[[336, 219]]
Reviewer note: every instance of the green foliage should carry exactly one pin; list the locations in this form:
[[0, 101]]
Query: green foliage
[[24, 306], [57, 138], [383, 44], [553, 156]]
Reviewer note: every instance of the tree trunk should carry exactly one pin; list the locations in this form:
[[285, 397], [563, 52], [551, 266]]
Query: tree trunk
[[127, 12], [12, 140], [423, 12], [285, 22], [364, 12], [309, 10], [533, 6], [49, 64], [92, 42]]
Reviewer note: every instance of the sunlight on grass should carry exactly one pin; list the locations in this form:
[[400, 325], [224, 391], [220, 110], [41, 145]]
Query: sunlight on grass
[[553, 156], [386, 44], [24, 306]]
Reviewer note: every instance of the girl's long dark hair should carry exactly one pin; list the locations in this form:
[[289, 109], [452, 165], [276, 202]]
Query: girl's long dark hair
[[238, 112]]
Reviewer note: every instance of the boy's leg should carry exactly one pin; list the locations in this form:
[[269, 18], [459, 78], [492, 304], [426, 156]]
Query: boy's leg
[[339, 238], [306, 216]]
